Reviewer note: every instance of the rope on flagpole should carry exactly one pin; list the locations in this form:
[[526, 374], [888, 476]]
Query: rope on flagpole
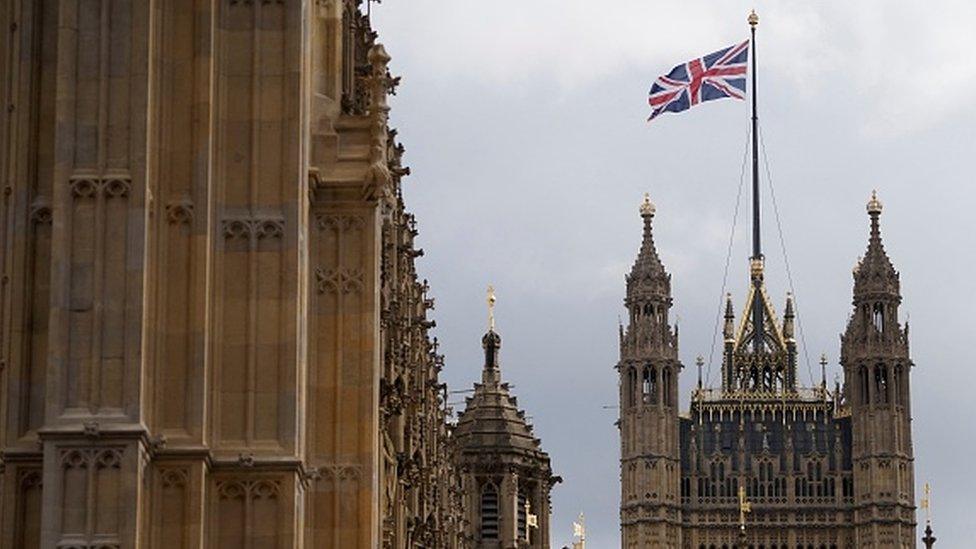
[[728, 259], [786, 259]]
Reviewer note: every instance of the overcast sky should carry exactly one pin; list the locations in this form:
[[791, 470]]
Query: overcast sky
[[524, 124]]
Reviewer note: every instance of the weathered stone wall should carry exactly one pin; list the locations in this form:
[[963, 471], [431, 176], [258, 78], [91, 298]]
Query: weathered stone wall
[[212, 331]]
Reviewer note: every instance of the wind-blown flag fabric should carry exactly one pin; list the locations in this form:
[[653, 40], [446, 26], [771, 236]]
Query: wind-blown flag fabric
[[715, 76]]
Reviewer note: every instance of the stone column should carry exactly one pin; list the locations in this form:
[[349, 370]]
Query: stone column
[[508, 510]]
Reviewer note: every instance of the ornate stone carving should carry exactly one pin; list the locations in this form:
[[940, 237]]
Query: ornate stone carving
[[111, 186], [180, 212], [248, 489], [341, 280], [173, 477], [339, 223], [247, 228], [40, 211]]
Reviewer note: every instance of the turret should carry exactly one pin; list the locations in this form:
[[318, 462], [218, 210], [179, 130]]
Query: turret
[[876, 362], [506, 474], [648, 369]]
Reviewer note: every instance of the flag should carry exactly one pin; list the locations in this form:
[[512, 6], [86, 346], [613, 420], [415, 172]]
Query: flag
[[717, 75]]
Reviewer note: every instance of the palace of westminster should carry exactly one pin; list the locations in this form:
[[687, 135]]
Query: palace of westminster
[[213, 334]]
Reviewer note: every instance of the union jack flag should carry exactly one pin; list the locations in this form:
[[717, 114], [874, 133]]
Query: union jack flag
[[715, 76]]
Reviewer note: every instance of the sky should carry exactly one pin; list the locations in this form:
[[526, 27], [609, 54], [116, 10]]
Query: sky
[[525, 130]]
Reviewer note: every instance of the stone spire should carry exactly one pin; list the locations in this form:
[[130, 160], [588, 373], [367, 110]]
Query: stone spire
[[648, 279], [506, 474], [877, 380], [491, 343], [874, 275]]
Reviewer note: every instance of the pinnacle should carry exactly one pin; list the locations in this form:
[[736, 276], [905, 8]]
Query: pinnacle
[[648, 268], [875, 273]]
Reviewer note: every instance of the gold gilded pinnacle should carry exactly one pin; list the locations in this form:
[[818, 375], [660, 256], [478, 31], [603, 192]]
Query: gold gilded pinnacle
[[753, 19], [647, 207], [491, 307], [874, 205]]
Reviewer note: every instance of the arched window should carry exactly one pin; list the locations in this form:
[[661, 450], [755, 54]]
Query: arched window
[[631, 387], [649, 385], [865, 395], [877, 317], [897, 391], [489, 512], [881, 383]]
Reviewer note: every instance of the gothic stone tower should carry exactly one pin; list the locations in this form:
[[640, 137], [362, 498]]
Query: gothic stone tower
[[650, 465], [212, 334], [819, 468], [506, 475], [877, 367]]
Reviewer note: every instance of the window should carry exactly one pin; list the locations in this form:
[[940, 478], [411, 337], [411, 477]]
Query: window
[[489, 512], [881, 383], [649, 388], [523, 530], [666, 385], [631, 386], [865, 395], [878, 317]]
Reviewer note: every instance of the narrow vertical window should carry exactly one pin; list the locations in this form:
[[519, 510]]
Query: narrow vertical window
[[523, 528], [878, 317], [489, 512], [666, 385]]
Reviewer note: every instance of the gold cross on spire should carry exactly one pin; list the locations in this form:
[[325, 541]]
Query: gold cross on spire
[[926, 498], [744, 507], [491, 307]]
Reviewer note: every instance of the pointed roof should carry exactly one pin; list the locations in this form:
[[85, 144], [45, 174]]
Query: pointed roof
[[491, 420], [648, 277], [874, 274]]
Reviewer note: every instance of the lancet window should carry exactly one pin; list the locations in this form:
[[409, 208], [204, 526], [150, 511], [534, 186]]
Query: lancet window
[[631, 387], [523, 532], [649, 385], [489, 512], [881, 384], [666, 385]]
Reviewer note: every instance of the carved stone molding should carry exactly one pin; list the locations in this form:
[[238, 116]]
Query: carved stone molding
[[248, 489], [339, 223], [173, 477], [30, 478], [84, 186], [342, 280], [341, 471], [179, 212], [247, 228], [85, 458], [40, 211]]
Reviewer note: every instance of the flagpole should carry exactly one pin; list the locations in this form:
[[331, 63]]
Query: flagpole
[[757, 304]]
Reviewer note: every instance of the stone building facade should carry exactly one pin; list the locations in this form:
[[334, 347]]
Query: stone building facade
[[212, 333], [814, 467], [505, 473]]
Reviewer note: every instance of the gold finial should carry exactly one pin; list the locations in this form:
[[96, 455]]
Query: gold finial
[[753, 19], [756, 266], [491, 307], [744, 507], [874, 205], [926, 499], [647, 207]]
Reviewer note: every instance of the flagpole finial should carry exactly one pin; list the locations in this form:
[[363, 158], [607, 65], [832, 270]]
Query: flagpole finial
[[753, 19]]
